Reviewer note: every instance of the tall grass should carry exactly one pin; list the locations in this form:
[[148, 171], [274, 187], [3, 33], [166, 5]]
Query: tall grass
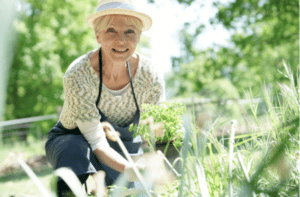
[[264, 164], [268, 153]]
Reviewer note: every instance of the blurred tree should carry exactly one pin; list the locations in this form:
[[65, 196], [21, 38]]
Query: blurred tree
[[263, 33], [51, 34]]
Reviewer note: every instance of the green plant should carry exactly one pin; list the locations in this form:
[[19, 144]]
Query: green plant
[[168, 113]]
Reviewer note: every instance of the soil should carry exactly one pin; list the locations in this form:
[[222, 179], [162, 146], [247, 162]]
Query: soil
[[10, 164]]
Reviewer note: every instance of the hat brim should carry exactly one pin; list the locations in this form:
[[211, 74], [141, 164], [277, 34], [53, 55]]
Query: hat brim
[[146, 20]]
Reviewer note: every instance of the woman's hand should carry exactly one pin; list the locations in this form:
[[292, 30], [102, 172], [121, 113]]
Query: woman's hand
[[109, 131], [129, 171]]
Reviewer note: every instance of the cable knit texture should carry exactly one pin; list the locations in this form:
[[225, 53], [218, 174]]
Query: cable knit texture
[[81, 87]]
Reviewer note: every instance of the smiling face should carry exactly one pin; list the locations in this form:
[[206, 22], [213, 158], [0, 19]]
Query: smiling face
[[118, 38]]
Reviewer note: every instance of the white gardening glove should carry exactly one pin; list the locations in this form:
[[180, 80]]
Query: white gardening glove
[[129, 172]]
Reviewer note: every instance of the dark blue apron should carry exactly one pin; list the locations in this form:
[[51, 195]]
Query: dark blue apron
[[68, 147]]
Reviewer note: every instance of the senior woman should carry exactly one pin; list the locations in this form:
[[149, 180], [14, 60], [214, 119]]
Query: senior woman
[[107, 84]]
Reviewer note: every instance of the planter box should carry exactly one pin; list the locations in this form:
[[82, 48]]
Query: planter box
[[171, 154]]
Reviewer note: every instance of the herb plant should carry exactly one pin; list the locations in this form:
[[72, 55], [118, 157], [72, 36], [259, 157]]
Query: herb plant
[[168, 113]]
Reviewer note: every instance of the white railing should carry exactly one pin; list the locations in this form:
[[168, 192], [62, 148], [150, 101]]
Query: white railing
[[19, 128], [200, 101], [188, 102], [27, 120]]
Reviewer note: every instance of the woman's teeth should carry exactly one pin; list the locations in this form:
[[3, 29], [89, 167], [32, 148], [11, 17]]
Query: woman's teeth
[[120, 50]]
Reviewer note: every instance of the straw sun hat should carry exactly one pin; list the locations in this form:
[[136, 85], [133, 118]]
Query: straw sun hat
[[124, 7]]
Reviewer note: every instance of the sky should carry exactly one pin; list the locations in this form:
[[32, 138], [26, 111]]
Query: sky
[[168, 19]]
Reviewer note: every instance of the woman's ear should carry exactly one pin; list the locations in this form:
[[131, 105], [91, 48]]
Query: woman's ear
[[98, 37]]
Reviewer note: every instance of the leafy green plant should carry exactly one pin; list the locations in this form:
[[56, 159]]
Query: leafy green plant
[[168, 113]]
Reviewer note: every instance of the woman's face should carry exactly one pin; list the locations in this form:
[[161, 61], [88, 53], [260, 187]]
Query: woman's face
[[118, 40]]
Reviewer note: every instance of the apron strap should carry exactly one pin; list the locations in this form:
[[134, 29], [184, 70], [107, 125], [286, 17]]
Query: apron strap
[[100, 86], [128, 66]]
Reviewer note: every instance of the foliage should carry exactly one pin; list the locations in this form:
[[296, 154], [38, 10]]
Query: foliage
[[263, 164], [266, 36], [262, 34], [49, 39], [170, 114]]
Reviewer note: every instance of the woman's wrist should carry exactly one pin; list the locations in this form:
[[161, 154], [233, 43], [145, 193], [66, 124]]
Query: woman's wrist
[[111, 158]]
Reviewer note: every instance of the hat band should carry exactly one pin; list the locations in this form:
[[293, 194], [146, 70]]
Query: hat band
[[116, 5]]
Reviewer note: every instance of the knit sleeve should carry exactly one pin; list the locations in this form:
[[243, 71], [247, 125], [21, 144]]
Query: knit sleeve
[[93, 132]]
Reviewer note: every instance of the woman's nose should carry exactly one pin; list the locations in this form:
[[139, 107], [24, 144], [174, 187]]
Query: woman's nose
[[121, 37]]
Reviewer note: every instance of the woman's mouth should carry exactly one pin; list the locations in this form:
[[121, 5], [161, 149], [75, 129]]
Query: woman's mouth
[[120, 50]]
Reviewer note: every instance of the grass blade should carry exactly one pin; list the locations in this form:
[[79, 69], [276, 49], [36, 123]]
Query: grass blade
[[201, 179], [245, 171], [185, 148], [128, 157], [34, 178], [100, 184], [120, 183], [231, 146], [168, 162], [71, 180], [243, 167]]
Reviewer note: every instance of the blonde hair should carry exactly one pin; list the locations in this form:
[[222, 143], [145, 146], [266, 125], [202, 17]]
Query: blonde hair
[[104, 21]]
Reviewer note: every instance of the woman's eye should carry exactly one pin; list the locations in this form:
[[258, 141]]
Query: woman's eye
[[110, 30], [129, 31]]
